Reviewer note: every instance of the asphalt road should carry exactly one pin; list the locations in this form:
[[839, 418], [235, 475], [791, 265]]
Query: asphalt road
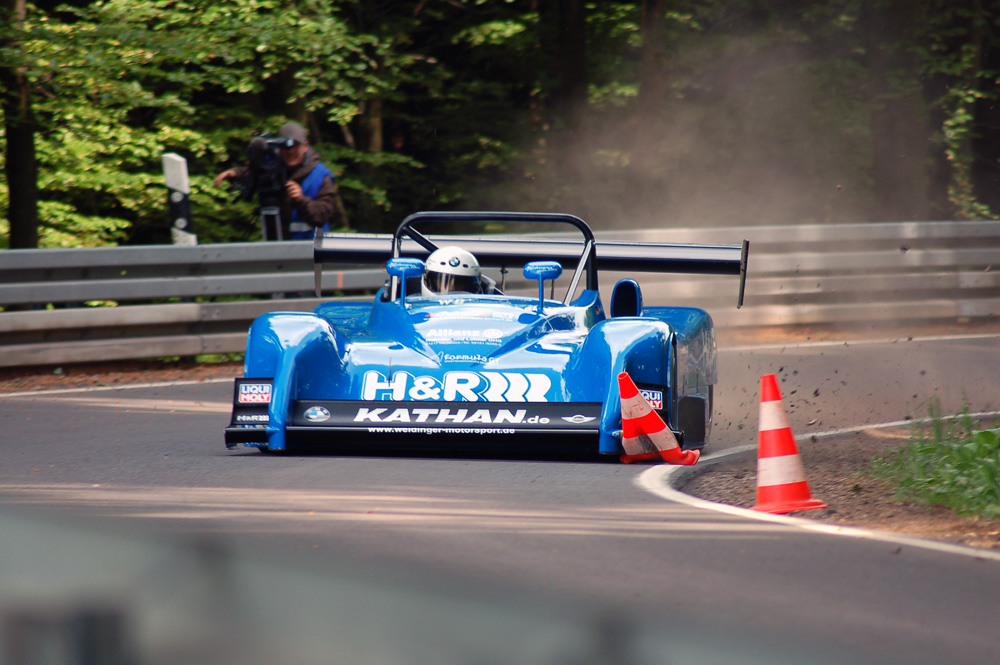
[[556, 533]]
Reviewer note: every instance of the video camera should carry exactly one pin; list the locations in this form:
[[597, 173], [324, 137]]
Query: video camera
[[266, 178], [267, 174]]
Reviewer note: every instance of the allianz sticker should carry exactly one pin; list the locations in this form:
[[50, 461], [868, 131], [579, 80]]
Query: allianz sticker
[[654, 397], [468, 336], [254, 393], [456, 387]]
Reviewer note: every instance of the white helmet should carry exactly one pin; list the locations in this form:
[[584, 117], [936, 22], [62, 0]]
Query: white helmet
[[450, 270]]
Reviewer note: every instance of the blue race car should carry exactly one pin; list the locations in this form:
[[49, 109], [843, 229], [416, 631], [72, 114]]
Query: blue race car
[[442, 359]]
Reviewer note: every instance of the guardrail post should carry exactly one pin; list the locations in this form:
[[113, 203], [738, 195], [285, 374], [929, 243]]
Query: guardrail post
[[178, 190]]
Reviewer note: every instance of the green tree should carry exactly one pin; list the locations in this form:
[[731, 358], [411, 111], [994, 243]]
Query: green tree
[[453, 93], [956, 47], [20, 163], [118, 83], [629, 113]]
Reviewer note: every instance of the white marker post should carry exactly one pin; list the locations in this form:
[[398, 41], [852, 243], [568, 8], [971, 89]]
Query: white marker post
[[178, 190]]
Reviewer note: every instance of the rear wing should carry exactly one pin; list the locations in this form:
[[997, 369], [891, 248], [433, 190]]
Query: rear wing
[[504, 251]]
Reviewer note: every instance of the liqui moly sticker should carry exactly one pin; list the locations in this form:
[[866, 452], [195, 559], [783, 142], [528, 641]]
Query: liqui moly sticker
[[654, 397], [254, 393]]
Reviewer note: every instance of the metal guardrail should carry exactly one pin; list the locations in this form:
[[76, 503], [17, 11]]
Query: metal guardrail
[[842, 274], [171, 298]]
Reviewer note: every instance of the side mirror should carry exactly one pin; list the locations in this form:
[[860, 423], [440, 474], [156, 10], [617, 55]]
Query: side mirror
[[542, 270], [401, 268]]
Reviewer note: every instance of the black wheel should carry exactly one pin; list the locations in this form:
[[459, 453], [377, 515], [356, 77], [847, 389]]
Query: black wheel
[[691, 418]]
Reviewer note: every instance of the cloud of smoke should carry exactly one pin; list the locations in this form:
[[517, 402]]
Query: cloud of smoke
[[752, 135]]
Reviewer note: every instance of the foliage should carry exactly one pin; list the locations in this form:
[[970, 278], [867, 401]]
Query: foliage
[[767, 108], [950, 462], [952, 48], [119, 83]]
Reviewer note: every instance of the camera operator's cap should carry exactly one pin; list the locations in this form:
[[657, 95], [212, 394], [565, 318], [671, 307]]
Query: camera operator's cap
[[294, 131]]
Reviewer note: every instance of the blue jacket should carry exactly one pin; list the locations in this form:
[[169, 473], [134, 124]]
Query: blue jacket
[[302, 225]]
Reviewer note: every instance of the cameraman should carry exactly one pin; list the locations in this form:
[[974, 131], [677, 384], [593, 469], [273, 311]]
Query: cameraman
[[310, 193]]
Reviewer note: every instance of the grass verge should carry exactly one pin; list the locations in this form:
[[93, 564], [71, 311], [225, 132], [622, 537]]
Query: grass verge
[[949, 461]]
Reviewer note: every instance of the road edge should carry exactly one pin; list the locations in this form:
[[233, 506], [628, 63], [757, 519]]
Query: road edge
[[662, 480]]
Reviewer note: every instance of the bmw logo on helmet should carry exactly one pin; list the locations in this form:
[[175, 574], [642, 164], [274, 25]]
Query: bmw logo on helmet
[[454, 261]]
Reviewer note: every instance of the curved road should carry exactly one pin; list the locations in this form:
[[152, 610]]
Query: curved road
[[656, 580]]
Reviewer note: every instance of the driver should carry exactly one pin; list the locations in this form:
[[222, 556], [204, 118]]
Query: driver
[[454, 270]]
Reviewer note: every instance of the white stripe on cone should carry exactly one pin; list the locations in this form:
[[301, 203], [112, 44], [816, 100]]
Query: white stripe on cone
[[780, 470], [664, 440], [638, 445], [772, 416], [650, 443]]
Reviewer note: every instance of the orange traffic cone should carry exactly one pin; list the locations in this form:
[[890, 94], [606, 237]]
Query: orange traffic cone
[[644, 434], [781, 480]]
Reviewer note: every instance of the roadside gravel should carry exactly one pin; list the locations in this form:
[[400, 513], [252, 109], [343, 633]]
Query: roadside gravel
[[92, 375], [837, 473]]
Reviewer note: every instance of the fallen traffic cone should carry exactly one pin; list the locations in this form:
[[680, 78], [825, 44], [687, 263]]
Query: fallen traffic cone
[[781, 480], [645, 436]]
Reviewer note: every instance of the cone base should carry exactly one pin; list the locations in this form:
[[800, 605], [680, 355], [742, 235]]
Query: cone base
[[641, 457], [672, 456], [681, 457], [781, 507]]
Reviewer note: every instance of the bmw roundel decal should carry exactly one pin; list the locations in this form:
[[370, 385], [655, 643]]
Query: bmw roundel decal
[[316, 414], [453, 261]]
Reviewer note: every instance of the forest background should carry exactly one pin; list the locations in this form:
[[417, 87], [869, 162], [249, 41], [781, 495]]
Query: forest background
[[658, 113]]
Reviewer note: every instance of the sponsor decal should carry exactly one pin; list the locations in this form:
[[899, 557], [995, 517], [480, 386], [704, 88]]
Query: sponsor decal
[[254, 393], [316, 414], [654, 397], [465, 358], [441, 430], [251, 418], [468, 336], [389, 417], [471, 315], [456, 387], [446, 416]]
